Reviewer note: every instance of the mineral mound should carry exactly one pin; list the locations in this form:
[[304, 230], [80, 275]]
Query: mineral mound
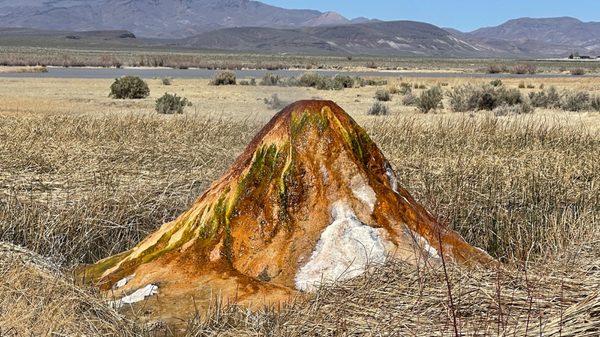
[[311, 200]]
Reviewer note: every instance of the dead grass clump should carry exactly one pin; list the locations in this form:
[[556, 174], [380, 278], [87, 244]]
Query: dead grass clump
[[401, 300], [224, 78], [36, 299]]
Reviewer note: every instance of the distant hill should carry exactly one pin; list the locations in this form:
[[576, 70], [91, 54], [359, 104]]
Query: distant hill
[[547, 36], [156, 18], [406, 38]]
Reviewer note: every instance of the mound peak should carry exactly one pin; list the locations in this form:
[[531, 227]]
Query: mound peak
[[311, 199]]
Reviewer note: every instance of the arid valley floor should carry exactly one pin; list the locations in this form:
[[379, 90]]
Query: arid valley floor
[[84, 176]]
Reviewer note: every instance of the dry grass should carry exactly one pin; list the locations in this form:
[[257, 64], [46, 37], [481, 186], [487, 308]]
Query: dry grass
[[83, 177], [399, 300], [36, 299], [27, 69]]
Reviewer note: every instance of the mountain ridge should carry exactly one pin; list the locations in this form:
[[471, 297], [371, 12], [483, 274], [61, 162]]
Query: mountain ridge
[[156, 18], [245, 25]]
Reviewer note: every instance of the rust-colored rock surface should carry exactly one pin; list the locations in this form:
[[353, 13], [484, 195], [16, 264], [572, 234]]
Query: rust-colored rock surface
[[312, 199]]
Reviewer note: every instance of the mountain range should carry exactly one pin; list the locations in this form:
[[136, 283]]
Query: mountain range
[[157, 18], [245, 25]]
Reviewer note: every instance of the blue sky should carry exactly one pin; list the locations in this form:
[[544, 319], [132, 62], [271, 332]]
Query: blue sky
[[465, 15]]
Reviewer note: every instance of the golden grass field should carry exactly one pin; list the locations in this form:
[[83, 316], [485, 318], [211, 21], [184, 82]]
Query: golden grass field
[[84, 176]]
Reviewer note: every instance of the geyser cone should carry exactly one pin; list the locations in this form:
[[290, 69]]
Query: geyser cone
[[311, 199]]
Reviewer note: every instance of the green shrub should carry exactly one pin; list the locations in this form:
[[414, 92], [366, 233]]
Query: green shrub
[[521, 85], [547, 98], [171, 104], [496, 69], [496, 83], [309, 80], [430, 99], [405, 88], [383, 95], [578, 72], [375, 82], [344, 81], [460, 98], [315, 80], [378, 109], [507, 96], [129, 87], [575, 101], [244, 82], [530, 86], [326, 83], [470, 98], [166, 81], [224, 78], [270, 79], [595, 103]]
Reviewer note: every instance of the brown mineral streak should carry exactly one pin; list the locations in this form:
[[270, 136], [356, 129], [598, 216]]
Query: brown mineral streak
[[268, 212]]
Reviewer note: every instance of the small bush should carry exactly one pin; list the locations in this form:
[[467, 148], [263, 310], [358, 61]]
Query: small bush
[[530, 86], [547, 98], [309, 80], [166, 81], [522, 85], [496, 83], [508, 96], [224, 78], [383, 95], [575, 101], [409, 99], [430, 99], [470, 98], [326, 83], [595, 103], [129, 87], [510, 110], [496, 69], [522, 69], [578, 72], [405, 88], [315, 80], [344, 81], [375, 82], [378, 109], [171, 104], [270, 79], [253, 81], [244, 83], [393, 89], [275, 103]]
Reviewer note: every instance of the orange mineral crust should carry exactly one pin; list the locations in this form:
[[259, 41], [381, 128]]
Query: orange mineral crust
[[312, 199]]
